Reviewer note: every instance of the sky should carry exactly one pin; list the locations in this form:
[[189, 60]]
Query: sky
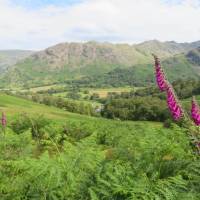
[[38, 24]]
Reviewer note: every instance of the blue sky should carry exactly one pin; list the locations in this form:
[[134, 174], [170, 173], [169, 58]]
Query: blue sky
[[38, 24], [34, 4]]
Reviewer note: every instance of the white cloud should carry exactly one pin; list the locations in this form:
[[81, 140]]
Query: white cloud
[[102, 20]]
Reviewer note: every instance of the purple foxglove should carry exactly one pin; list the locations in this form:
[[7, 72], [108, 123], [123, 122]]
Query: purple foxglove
[[173, 105], [195, 112], [3, 120], [160, 76]]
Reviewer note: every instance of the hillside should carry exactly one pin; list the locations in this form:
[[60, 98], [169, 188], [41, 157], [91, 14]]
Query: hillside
[[177, 67], [194, 56], [14, 105], [77, 61], [165, 49], [9, 58], [68, 156]]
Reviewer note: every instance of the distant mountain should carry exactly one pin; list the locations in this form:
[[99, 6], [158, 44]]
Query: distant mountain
[[166, 49], [184, 65], [77, 61], [194, 56], [11, 57]]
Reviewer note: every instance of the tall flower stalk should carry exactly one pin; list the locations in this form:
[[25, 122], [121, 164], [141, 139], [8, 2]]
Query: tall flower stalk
[[173, 104], [172, 101], [195, 112], [160, 75]]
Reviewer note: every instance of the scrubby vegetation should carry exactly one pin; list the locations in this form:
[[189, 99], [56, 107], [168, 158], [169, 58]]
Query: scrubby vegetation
[[138, 108], [148, 103], [61, 155]]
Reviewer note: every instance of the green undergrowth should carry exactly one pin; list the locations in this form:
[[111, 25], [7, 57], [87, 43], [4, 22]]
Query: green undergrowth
[[47, 153]]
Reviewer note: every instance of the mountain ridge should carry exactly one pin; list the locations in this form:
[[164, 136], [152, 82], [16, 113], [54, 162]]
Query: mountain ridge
[[11, 57], [71, 61]]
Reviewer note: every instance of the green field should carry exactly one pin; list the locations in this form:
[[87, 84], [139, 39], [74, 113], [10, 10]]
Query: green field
[[44, 88], [103, 92], [13, 106]]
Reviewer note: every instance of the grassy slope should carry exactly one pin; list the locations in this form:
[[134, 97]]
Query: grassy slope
[[14, 106], [141, 156], [176, 67], [179, 67]]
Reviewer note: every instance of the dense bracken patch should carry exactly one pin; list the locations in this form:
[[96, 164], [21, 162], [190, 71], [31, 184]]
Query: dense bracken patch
[[96, 159]]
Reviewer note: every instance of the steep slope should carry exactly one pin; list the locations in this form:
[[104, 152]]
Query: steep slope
[[74, 61], [180, 66], [165, 49], [11, 57], [194, 56]]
